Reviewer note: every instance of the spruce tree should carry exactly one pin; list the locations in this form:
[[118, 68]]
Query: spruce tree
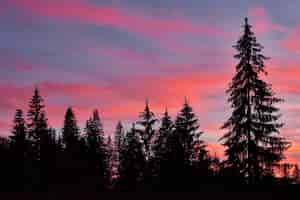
[[187, 129], [70, 131], [252, 143], [19, 149], [165, 130], [36, 123], [97, 150], [18, 139], [109, 160], [147, 121], [119, 136], [132, 161], [162, 150], [119, 139]]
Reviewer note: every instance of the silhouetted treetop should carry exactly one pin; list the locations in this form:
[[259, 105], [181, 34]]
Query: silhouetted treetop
[[252, 144]]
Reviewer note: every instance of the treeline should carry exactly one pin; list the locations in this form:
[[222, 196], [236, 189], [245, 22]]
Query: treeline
[[155, 154]]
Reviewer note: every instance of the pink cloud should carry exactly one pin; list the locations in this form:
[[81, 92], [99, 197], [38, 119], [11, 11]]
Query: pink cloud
[[124, 54], [115, 17], [117, 100], [4, 126], [291, 42], [285, 79], [261, 21], [17, 62]]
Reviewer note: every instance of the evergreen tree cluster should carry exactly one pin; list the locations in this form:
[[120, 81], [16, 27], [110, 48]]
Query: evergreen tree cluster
[[155, 154]]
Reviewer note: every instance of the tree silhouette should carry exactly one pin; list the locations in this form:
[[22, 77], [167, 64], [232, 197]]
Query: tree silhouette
[[147, 121], [36, 123], [163, 151], [132, 162], [119, 135], [70, 131], [252, 146], [19, 149], [109, 161], [119, 139], [97, 151], [187, 129], [18, 139]]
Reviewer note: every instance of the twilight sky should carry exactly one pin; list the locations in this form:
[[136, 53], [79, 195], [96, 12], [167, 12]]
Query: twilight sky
[[113, 54]]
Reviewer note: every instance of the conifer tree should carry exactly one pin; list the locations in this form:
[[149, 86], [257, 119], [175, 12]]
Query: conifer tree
[[19, 149], [109, 160], [119, 139], [36, 123], [187, 129], [119, 136], [97, 150], [132, 161], [70, 131], [165, 130], [252, 143], [147, 121], [163, 150], [95, 135], [18, 139]]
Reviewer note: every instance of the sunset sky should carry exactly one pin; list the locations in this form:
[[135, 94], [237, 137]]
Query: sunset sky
[[113, 55]]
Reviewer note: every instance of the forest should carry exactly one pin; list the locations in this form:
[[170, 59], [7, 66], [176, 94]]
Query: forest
[[156, 154]]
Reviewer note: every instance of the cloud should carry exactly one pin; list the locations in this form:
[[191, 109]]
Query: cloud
[[10, 59], [291, 42], [117, 99], [4, 126], [285, 77], [261, 21], [77, 11]]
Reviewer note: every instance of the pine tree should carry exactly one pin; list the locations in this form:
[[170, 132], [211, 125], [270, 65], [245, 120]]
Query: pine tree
[[160, 144], [147, 121], [187, 129], [19, 149], [119, 136], [132, 161], [18, 140], [117, 148], [95, 135], [70, 131], [109, 160], [252, 143], [161, 149], [37, 123], [97, 150]]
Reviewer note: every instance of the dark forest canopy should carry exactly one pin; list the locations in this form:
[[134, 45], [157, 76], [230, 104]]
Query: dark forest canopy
[[172, 157]]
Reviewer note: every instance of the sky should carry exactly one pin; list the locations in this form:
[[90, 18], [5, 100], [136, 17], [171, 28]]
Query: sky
[[113, 55]]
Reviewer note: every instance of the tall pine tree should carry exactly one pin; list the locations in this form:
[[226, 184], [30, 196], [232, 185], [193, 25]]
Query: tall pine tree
[[163, 150], [119, 136], [18, 139], [70, 131], [119, 139], [147, 121], [252, 143], [160, 144], [97, 151], [187, 129], [36, 123], [19, 150], [132, 161]]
